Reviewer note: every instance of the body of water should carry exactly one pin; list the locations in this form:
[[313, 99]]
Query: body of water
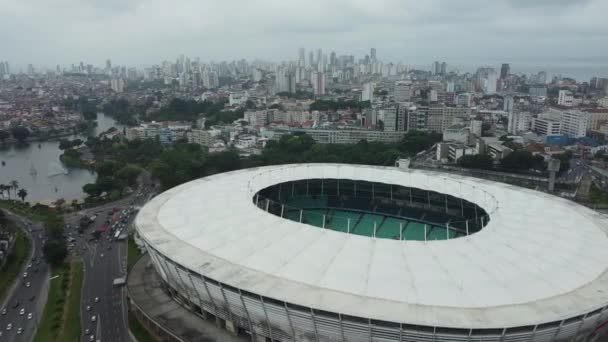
[[37, 168]]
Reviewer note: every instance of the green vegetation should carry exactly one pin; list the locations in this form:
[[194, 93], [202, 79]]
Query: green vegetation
[[133, 253], [185, 110], [123, 111], [20, 133], [138, 330], [4, 135], [71, 329], [299, 94], [10, 271], [478, 161], [325, 105], [51, 322], [55, 249], [523, 160], [71, 158], [112, 178], [597, 196]]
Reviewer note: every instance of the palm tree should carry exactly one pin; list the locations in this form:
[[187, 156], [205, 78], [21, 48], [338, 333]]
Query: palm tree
[[14, 184], [22, 194]]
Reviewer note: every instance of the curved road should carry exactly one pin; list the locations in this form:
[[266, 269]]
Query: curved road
[[29, 299]]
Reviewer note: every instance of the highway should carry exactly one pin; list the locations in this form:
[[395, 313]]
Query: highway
[[29, 299], [105, 259]]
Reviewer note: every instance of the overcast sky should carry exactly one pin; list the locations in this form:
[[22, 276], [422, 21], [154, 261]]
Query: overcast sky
[[462, 32]]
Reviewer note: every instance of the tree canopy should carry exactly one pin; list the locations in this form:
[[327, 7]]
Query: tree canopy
[[20, 133]]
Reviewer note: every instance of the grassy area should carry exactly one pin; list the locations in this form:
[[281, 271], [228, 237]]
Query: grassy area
[[50, 323], [71, 327], [60, 319], [597, 196], [36, 213], [138, 330], [15, 260], [133, 253]]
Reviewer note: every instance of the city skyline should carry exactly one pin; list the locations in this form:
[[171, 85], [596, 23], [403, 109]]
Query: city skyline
[[467, 32]]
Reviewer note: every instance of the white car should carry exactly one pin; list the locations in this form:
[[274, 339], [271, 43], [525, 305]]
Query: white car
[[24, 274], [29, 315], [96, 299], [29, 265], [93, 319], [22, 312], [3, 311], [9, 326], [28, 284], [88, 308], [87, 331], [92, 338], [19, 331]]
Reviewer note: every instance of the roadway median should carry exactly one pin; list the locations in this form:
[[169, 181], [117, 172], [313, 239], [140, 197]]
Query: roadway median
[[61, 317]]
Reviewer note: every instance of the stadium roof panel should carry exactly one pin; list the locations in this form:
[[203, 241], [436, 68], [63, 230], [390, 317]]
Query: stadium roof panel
[[540, 259]]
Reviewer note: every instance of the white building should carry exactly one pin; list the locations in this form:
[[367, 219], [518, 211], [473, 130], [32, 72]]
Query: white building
[[256, 118], [546, 126], [200, 136], [238, 98], [603, 102], [318, 83], [518, 122], [402, 91], [565, 98], [367, 94], [574, 123], [117, 85]]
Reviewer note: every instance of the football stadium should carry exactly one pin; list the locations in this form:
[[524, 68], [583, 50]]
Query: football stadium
[[334, 252]]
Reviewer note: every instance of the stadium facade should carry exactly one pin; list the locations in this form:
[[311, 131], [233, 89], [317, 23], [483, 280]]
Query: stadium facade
[[332, 252]]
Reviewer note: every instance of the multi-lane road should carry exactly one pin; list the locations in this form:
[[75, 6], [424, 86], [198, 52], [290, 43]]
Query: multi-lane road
[[23, 307], [105, 260]]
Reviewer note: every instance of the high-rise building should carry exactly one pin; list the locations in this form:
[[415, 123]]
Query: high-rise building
[[318, 83], [508, 103], [2, 72], [518, 122], [402, 91], [367, 94], [444, 68], [372, 55], [574, 123], [436, 68], [333, 61], [542, 77], [310, 61], [318, 57], [108, 65], [504, 71], [302, 57], [565, 98], [117, 85]]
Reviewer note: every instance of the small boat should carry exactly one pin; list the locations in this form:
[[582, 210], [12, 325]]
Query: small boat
[[3, 163], [39, 146]]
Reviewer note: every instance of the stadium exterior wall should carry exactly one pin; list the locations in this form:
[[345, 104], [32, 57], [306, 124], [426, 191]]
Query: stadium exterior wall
[[274, 320], [280, 321]]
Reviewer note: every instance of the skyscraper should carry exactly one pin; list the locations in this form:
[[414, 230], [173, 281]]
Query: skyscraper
[[504, 71], [318, 83], [372, 54], [108, 64], [444, 67], [7, 70], [332, 59], [367, 94], [310, 59], [319, 56], [436, 68], [302, 57]]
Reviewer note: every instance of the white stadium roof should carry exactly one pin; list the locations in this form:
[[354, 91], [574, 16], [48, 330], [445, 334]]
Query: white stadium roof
[[540, 259]]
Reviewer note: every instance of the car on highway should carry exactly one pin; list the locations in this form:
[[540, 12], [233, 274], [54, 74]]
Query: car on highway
[[93, 318], [19, 331], [96, 299], [4, 311], [28, 284], [22, 312], [87, 331], [9, 326], [24, 274], [88, 308], [29, 315], [92, 338], [29, 265]]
